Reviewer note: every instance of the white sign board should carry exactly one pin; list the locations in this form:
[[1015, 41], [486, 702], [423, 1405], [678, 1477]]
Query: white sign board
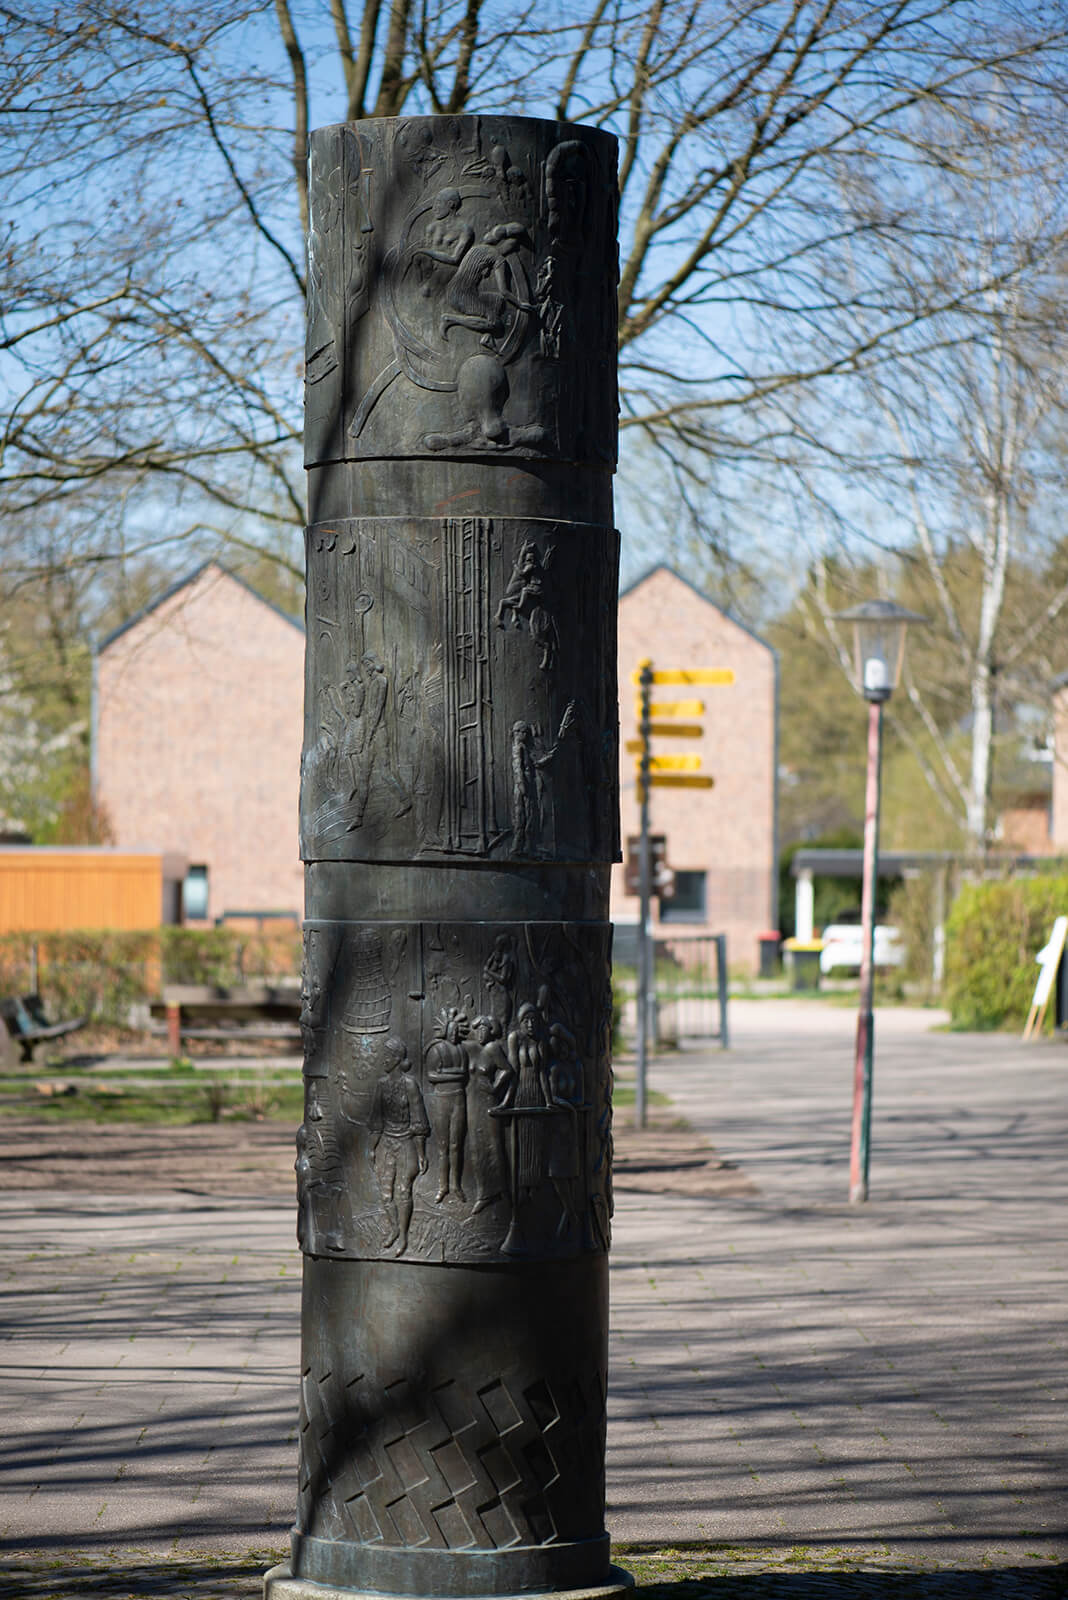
[[1049, 959]]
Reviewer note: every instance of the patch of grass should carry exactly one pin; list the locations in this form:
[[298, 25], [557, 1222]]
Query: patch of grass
[[163, 1100], [624, 1094], [824, 1572]]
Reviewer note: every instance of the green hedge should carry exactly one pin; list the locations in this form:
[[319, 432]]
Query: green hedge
[[100, 975], [993, 934]]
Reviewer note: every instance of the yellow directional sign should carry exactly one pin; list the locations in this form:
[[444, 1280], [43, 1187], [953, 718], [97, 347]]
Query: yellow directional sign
[[721, 675], [672, 708], [674, 763], [678, 780], [667, 730]]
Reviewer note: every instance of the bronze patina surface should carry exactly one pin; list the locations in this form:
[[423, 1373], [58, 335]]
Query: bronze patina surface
[[459, 815]]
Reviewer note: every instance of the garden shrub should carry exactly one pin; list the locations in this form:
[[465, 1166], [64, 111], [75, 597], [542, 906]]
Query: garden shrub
[[912, 912], [993, 934], [101, 975]]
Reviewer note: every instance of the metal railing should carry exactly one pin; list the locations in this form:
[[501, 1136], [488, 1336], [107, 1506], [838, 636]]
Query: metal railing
[[690, 989]]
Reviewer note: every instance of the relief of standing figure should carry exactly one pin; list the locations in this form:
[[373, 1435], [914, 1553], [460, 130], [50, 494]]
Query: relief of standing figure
[[498, 975], [528, 1056], [446, 1072], [566, 1086], [364, 698], [399, 1129], [320, 1189], [489, 1087], [529, 776]]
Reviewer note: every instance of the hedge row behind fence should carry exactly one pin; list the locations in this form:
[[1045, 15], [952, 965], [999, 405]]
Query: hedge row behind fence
[[993, 934], [101, 975]]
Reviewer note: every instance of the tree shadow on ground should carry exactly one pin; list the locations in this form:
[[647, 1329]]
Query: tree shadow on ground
[[131, 1578]]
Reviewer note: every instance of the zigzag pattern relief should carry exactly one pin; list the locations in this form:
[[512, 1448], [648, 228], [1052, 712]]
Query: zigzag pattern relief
[[457, 1468]]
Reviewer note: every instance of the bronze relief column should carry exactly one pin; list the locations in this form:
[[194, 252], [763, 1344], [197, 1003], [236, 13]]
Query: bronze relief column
[[459, 812]]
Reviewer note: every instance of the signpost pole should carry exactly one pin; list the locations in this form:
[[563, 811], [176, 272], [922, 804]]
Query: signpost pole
[[645, 892]]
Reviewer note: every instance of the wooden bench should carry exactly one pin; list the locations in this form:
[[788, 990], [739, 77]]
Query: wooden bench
[[27, 1023], [253, 1011]]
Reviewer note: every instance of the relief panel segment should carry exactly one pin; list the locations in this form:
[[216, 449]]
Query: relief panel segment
[[458, 1101], [460, 694]]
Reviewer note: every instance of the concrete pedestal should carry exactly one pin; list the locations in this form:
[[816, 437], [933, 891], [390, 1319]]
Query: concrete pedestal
[[280, 1584]]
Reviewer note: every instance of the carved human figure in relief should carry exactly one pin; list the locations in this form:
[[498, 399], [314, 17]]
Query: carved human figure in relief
[[482, 292], [446, 1073], [363, 698], [529, 764], [525, 598], [490, 1083], [566, 1088], [319, 1184], [399, 1130], [529, 1058], [447, 238], [313, 1010], [498, 975]]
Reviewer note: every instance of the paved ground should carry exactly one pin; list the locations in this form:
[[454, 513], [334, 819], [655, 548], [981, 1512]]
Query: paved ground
[[882, 1385]]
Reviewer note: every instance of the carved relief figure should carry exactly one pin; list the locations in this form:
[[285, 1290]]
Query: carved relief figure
[[399, 1130], [468, 266], [566, 1087], [446, 1072], [525, 598], [447, 238], [320, 1187], [313, 1011], [482, 294], [529, 764], [490, 1084], [364, 699], [429, 779], [341, 763], [327, 189], [528, 1056], [498, 976]]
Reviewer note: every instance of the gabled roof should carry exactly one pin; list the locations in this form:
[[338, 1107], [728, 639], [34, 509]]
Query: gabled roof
[[662, 566], [182, 583]]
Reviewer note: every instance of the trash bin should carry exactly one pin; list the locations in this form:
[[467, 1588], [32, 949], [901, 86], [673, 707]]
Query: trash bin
[[769, 964], [803, 961]]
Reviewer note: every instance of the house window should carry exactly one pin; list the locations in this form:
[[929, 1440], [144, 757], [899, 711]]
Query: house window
[[687, 904], [195, 895]]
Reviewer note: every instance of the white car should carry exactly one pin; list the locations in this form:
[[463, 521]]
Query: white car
[[843, 945]]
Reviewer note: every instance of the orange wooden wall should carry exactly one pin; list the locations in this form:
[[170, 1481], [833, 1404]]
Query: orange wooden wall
[[48, 890]]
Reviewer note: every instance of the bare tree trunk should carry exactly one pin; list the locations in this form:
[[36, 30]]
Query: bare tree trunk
[[982, 750], [391, 88]]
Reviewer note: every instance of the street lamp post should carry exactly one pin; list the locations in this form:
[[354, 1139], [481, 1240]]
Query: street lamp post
[[879, 629]]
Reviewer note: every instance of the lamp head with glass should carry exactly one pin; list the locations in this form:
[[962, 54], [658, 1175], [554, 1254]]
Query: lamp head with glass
[[879, 628]]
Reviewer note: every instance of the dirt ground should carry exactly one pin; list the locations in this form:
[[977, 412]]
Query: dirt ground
[[256, 1158]]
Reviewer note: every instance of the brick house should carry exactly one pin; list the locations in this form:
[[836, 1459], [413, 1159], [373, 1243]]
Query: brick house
[[197, 734], [721, 842], [198, 706]]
